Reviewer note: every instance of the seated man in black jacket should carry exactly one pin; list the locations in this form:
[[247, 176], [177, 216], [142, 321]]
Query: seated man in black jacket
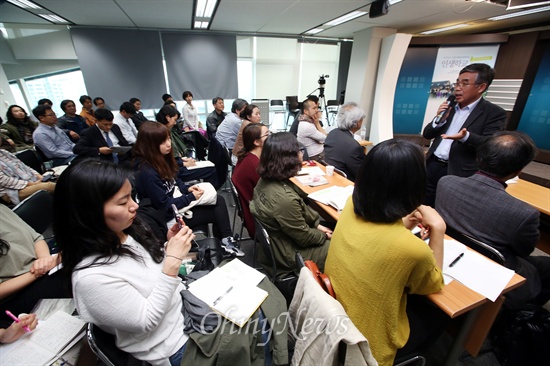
[[98, 141]]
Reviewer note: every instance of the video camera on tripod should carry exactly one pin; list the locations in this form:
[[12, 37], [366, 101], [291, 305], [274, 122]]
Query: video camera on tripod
[[322, 81]]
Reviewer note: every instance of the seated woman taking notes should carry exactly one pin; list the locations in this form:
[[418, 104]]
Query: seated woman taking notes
[[375, 263]]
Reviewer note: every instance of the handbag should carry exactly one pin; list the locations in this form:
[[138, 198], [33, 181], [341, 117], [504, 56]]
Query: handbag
[[321, 278], [209, 254], [208, 198]]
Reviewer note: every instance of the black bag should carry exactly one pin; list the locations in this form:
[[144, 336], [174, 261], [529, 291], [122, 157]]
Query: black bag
[[523, 338], [209, 254]]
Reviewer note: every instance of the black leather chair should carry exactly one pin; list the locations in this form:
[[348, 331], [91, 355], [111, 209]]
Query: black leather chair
[[476, 245], [104, 347], [197, 143], [292, 108], [37, 211], [31, 159]]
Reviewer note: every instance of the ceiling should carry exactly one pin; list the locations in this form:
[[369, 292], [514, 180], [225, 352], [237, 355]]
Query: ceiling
[[280, 17]]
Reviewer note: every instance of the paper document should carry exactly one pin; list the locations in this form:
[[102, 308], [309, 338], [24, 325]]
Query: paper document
[[333, 196], [46, 343], [201, 164], [315, 170], [311, 180], [475, 271], [231, 292]]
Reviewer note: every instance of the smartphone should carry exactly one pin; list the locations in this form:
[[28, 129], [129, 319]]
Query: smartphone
[[177, 216]]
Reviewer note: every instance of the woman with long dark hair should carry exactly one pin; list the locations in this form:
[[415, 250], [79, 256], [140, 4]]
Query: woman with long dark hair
[[157, 179], [375, 263], [251, 114], [122, 278], [19, 127], [292, 225]]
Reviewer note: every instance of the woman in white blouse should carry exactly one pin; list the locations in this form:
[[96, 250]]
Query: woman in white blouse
[[191, 120]]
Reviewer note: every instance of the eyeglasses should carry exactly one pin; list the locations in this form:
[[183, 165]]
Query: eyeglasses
[[50, 115], [464, 84]]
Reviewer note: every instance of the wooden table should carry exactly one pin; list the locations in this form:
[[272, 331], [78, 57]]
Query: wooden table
[[328, 213], [455, 299], [366, 145], [533, 194]]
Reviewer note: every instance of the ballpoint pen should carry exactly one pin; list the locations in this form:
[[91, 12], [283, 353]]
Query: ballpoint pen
[[15, 319], [222, 296], [456, 259]]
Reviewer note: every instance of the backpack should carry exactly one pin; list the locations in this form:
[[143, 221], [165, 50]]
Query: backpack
[[523, 337]]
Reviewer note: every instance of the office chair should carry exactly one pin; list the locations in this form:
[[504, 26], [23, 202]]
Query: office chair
[[286, 285], [476, 245], [36, 210], [277, 107], [340, 172], [292, 108], [47, 163], [30, 159], [197, 143], [239, 211], [104, 347], [332, 109]]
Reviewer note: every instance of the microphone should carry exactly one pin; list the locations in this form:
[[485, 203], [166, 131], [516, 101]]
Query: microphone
[[451, 101]]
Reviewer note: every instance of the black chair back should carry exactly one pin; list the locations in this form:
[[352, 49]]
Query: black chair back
[[104, 347], [276, 102], [31, 159], [263, 238], [476, 245], [238, 210], [37, 211], [197, 142]]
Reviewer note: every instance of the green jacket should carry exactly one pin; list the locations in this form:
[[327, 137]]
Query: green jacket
[[12, 132], [291, 225], [231, 345]]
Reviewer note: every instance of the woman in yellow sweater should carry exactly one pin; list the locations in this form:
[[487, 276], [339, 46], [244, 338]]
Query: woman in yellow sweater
[[374, 261]]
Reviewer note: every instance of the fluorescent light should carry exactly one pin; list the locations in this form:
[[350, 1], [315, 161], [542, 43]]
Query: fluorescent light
[[25, 4], [397, 1], [200, 25], [445, 28], [314, 31], [346, 18], [520, 13], [53, 18], [205, 8]]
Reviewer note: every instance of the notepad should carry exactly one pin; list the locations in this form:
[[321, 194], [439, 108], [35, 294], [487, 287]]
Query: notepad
[[333, 196], [201, 164], [232, 292], [51, 339]]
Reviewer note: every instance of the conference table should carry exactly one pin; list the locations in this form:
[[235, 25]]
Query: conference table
[[531, 193], [455, 299]]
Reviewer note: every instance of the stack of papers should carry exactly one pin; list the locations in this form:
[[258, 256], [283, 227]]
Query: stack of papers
[[51, 339], [333, 196], [231, 291], [475, 270], [201, 164], [311, 176]]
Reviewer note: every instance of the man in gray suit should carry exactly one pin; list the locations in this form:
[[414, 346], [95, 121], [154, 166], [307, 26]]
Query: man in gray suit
[[461, 128], [480, 207], [341, 148]]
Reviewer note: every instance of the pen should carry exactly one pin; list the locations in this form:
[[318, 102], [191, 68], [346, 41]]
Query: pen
[[222, 296], [15, 319], [456, 259]]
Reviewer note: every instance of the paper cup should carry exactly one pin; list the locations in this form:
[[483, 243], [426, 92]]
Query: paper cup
[[330, 170]]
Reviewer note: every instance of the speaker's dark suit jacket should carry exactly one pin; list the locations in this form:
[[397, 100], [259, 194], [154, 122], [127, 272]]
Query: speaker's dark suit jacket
[[91, 139], [484, 120], [480, 207], [344, 152]]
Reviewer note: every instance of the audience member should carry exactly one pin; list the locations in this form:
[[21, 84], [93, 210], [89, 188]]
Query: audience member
[[98, 141], [138, 118], [71, 123], [5, 142], [18, 128], [216, 117], [480, 207], [229, 128], [17, 329], [157, 180], [125, 281], [17, 180], [45, 101], [191, 120], [87, 112], [251, 114], [462, 128], [24, 264], [167, 97], [50, 139], [341, 149], [245, 175], [294, 126], [124, 120], [99, 103], [167, 116], [310, 132], [292, 225], [375, 263]]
